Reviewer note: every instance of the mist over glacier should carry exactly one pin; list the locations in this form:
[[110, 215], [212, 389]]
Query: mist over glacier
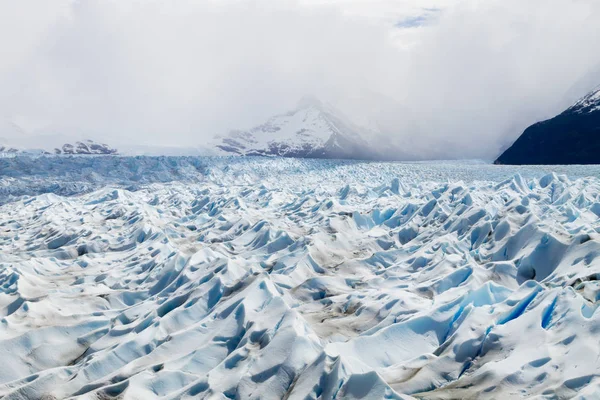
[[463, 77]]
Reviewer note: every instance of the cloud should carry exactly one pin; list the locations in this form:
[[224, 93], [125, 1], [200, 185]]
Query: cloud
[[178, 71], [489, 69], [461, 81]]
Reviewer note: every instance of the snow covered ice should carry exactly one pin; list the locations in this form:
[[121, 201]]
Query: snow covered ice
[[176, 278]]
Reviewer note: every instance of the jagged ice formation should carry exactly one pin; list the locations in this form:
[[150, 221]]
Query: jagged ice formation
[[169, 278]]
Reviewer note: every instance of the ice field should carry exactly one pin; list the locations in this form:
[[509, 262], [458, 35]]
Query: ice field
[[247, 278]]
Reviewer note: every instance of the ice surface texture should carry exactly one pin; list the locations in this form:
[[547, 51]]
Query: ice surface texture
[[145, 278]]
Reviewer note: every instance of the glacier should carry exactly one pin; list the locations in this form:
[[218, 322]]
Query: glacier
[[271, 278]]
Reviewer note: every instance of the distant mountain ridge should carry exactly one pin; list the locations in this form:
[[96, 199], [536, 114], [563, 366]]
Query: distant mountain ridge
[[85, 147], [8, 149], [572, 137]]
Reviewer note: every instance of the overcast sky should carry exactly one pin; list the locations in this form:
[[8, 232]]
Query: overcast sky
[[176, 72]]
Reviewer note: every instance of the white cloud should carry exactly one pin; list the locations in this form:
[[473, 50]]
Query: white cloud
[[177, 72]]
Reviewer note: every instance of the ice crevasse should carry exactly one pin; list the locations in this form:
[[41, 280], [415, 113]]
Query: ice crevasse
[[297, 279]]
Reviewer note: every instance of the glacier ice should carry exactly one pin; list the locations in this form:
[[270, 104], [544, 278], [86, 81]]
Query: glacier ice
[[175, 278]]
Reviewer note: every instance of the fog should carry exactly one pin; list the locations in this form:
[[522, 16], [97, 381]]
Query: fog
[[454, 79]]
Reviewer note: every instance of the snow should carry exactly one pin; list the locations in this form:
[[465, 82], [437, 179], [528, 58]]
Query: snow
[[88, 147], [296, 130], [188, 277], [305, 130], [588, 104], [84, 147]]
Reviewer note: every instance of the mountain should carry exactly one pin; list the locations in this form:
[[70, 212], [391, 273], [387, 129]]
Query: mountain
[[572, 137], [87, 147], [8, 149], [312, 130]]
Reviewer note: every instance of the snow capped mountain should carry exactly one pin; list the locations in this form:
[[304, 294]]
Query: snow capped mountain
[[312, 130], [16, 139], [8, 149], [572, 137], [588, 104], [87, 147]]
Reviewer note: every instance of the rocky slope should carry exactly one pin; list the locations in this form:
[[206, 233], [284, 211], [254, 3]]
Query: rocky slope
[[572, 137], [87, 147]]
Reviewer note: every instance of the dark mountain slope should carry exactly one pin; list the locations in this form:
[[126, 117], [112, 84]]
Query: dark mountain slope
[[572, 137]]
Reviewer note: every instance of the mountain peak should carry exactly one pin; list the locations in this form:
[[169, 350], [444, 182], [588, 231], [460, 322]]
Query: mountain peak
[[310, 101], [312, 130]]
